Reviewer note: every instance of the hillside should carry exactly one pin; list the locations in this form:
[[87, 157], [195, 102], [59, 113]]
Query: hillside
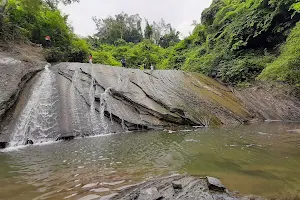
[[237, 41]]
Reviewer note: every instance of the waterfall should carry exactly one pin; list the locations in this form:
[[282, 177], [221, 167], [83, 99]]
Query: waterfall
[[96, 127], [38, 121], [104, 105]]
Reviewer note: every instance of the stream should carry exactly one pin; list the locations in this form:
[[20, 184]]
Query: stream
[[259, 159]]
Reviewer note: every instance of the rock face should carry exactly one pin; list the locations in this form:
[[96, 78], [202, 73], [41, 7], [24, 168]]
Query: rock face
[[270, 102], [191, 188], [72, 99], [156, 99], [14, 74]]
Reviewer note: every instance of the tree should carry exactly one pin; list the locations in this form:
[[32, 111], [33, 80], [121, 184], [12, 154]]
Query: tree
[[160, 29], [31, 6], [122, 26], [169, 39], [148, 31]]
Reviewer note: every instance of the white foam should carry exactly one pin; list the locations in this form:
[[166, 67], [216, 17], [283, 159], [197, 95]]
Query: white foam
[[17, 148]]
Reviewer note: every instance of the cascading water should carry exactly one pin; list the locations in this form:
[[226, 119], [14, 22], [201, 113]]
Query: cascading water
[[96, 127], [105, 106], [38, 121]]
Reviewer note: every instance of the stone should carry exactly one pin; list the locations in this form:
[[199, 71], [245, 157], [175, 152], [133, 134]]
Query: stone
[[215, 184], [3, 145], [177, 185], [28, 142], [149, 194], [193, 188], [154, 101]]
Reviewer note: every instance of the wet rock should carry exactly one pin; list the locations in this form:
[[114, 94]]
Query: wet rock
[[192, 188], [3, 145], [177, 185], [14, 73], [270, 103], [215, 184], [164, 98], [66, 138], [149, 194], [28, 142]]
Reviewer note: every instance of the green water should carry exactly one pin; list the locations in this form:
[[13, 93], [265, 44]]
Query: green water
[[260, 159]]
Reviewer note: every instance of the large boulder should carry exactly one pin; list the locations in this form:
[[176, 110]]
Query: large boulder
[[191, 188], [153, 99]]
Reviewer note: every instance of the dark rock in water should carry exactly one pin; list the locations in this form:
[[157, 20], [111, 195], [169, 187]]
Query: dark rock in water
[[177, 185], [192, 188], [3, 145], [215, 184], [28, 142], [66, 138]]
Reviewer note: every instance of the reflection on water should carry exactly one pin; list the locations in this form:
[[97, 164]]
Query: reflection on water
[[260, 159]]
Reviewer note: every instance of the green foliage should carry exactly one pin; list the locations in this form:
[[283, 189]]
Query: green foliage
[[121, 26], [148, 31], [287, 66], [34, 19], [79, 51], [237, 39], [138, 55], [105, 58]]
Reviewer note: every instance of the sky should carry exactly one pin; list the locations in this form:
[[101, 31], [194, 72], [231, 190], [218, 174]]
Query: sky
[[180, 13]]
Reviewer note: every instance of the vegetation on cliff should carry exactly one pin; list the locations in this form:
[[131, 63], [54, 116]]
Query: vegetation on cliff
[[237, 41], [32, 20]]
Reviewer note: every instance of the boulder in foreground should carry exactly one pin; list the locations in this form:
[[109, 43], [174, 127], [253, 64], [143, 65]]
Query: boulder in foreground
[[178, 187]]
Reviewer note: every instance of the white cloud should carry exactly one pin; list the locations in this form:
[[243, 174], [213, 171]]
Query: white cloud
[[177, 12]]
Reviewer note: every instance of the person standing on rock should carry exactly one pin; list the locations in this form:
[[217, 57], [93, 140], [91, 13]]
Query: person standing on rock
[[151, 67], [123, 61], [48, 41], [91, 59]]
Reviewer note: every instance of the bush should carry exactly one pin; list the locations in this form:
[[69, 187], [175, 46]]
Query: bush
[[286, 67], [55, 54], [105, 58], [79, 51]]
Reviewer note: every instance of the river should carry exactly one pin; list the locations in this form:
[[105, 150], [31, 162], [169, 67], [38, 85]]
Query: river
[[259, 159]]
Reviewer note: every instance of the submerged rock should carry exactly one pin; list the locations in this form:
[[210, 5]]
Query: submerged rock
[[186, 188]]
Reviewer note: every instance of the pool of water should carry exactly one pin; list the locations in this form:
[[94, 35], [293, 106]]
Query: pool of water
[[260, 159]]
